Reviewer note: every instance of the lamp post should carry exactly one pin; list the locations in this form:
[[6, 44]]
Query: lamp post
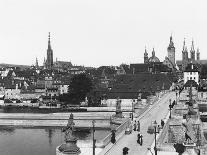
[[170, 106], [132, 109], [155, 132], [176, 97], [94, 141]]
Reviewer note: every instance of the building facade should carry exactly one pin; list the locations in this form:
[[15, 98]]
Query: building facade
[[191, 73]]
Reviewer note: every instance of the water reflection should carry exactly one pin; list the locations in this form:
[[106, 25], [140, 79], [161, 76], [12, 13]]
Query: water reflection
[[50, 134], [38, 141], [7, 130]]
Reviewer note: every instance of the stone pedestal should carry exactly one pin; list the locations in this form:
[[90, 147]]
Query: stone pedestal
[[68, 148]]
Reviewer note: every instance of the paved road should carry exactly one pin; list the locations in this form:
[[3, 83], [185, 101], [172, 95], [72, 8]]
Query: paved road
[[157, 113]]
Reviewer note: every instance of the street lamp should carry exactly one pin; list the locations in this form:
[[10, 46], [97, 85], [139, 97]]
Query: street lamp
[[132, 109], [155, 132], [176, 97], [94, 141], [170, 106]]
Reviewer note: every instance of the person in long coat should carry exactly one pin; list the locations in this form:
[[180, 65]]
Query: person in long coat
[[141, 140], [138, 137], [138, 126], [135, 126]]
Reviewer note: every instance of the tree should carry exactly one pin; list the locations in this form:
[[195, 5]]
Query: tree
[[79, 87]]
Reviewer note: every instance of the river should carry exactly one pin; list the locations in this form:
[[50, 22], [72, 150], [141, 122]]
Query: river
[[39, 141]]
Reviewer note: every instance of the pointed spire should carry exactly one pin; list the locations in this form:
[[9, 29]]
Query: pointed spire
[[145, 52], [153, 52], [36, 64], [49, 46], [184, 44], [198, 54], [192, 46], [171, 44]]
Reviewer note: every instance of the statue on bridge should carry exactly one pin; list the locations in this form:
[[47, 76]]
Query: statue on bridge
[[69, 129], [70, 147]]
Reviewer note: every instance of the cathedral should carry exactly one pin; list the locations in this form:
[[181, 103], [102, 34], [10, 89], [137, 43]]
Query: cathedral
[[193, 58], [169, 60]]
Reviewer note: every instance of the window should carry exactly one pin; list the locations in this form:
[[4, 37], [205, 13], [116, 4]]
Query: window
[[190, 73], [194, 78], [191, 78]]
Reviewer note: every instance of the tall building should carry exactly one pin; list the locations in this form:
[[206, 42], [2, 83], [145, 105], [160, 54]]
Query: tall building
[[171, 51], [49, 61]]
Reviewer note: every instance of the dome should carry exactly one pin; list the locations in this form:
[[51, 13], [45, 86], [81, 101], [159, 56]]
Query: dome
[[154, 59]]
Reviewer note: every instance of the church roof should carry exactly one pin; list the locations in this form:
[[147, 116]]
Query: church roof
[[153, 59], [191, 68]]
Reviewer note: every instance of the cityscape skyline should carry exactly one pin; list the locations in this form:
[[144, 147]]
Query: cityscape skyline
[[94, 33]]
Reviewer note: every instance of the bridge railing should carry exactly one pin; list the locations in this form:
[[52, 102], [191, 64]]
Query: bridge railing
[[102, 143]]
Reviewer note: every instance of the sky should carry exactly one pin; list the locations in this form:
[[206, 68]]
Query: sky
[[97, 32]]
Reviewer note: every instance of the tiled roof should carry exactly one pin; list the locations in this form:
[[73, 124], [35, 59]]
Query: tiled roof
[[143, 82], [190, 83], [150, 67]]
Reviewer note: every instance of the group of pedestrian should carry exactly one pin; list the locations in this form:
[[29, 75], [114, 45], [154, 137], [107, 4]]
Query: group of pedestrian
[[139, 138], [137, 126]]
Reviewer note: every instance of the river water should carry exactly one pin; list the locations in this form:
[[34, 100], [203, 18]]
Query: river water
[[39, 141]]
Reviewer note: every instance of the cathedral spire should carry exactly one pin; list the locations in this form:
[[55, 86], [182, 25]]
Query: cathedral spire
[[192, 46], [49, 61], [192, 51], [198, 54], [184, 44], [153, 52], [36, 64], [49, 46], [145, 55]]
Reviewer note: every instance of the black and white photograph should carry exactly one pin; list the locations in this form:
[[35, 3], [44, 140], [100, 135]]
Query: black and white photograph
[[94, 77]]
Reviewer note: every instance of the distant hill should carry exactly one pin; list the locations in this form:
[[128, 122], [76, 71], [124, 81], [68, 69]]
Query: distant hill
[[13, 65]]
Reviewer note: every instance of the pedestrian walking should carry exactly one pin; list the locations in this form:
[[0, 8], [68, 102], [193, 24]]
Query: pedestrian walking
[[135, 125], [138, 137], [125, 150], [162, 123], [138, 126], [113, 137], [141, 140]]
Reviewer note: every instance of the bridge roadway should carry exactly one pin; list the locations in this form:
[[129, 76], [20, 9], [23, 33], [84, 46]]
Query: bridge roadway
[[157, 112]]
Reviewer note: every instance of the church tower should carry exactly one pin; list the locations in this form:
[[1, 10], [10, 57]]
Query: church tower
[[145, 56], [184, 52], [49, 61], [171, 51], [36, 64], [192, 52], [198, 54]]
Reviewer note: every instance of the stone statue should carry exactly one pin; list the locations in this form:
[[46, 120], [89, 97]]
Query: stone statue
[[69, 129], [68, 134], [70, 121], [118, 105]]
